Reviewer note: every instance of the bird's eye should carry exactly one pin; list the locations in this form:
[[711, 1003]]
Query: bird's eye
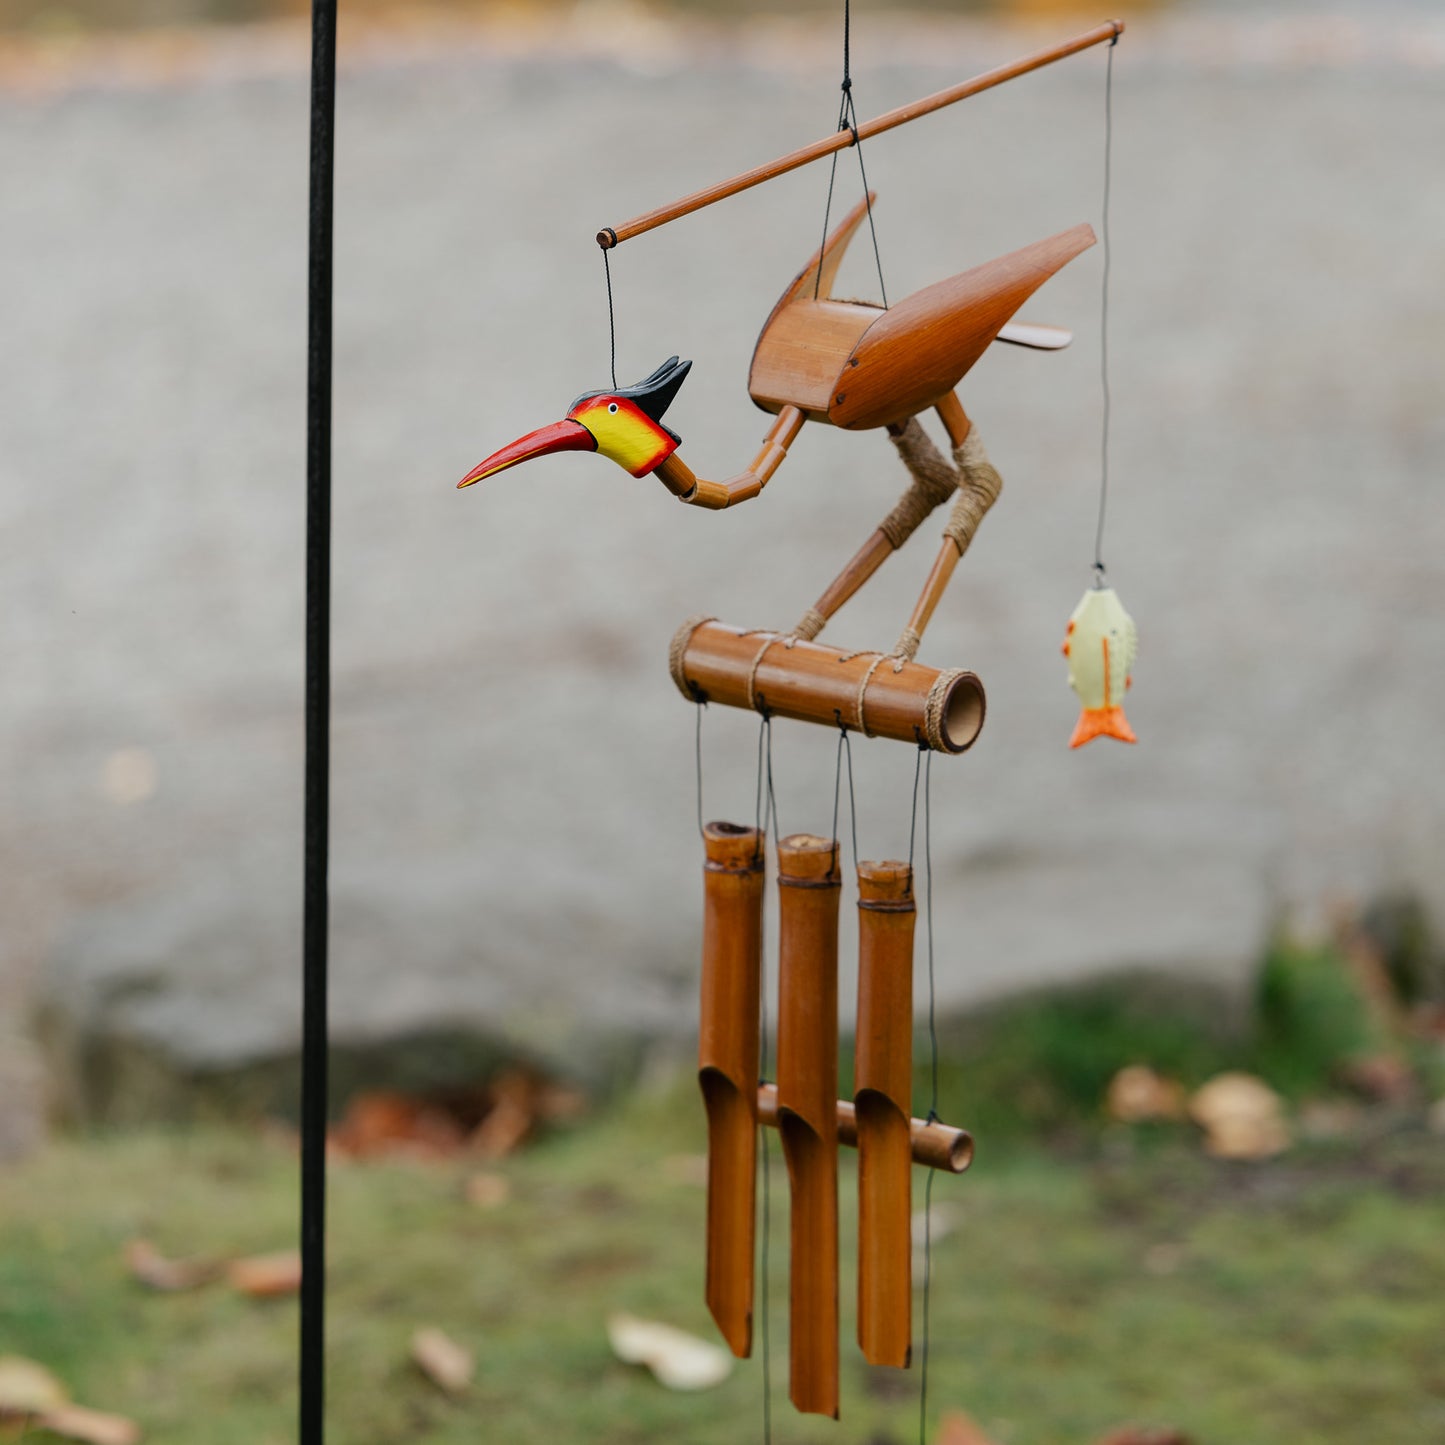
[[612, 406]]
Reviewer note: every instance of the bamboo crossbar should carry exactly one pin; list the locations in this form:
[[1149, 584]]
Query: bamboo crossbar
[[610, 236], [935, 1145], [773, 673]]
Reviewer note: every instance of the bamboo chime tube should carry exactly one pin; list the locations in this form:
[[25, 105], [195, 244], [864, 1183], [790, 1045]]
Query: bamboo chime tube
[[808, 891], [728, 1067], [935, 1145], [613, 235], [813, 682], [882, 1094]]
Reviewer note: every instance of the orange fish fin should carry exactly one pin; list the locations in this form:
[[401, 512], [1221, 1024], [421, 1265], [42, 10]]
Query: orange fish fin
[[1102, 722]]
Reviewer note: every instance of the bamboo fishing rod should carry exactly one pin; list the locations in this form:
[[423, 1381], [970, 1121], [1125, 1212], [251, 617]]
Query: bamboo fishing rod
[[610, 236]]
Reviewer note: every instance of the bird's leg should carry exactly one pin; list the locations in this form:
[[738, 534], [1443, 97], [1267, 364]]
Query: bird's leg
[[978, 489], [697, 491], [934, 481]]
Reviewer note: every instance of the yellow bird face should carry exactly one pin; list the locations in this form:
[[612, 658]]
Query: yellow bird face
[[623, 424], [625, 433]]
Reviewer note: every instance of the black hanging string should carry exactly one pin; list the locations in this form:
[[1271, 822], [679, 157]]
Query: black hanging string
[[316, 842], [611, 317], [1099, 570], [698, 749], [852, 799], [766, 790], [848, 120], [933, 1094]]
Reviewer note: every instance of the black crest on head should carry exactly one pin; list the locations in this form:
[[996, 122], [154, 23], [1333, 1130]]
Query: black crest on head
[[653, 394]]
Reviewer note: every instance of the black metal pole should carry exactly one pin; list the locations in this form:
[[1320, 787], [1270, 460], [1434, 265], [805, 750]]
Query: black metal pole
[[318, 730]]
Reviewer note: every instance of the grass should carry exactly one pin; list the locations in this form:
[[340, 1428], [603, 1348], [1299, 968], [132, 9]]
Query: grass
[[1297, 1301], [1086, 1274]]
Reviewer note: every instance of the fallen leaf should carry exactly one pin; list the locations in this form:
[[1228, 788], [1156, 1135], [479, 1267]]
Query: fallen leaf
[[381, 1123], [511, 1118], [957, 1428], [679, 1360], [1242, 1117], [1138, 1095], [264, 1276], [487, 1191], [148, 1265], [442, 1360], [1383, 1078], [27, 1388], [91, 1427]]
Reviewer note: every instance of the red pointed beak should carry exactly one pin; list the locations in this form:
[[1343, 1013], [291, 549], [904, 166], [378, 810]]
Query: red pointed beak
[[561, 436]]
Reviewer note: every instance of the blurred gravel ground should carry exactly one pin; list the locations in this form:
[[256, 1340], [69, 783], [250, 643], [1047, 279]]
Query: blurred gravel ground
[[513, 784]]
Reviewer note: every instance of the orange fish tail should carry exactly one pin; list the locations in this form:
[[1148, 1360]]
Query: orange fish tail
[[1102, 722]]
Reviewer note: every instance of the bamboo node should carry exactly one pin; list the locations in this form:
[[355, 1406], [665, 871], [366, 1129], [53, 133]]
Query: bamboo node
[[676, 650]]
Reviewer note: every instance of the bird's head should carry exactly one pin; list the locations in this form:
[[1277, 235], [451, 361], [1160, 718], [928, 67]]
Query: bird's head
[[624, 424]]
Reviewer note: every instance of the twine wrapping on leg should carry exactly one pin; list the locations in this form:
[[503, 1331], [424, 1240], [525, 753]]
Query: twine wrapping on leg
[[807, 628], [934, 482], [977, 491], [906, 648]]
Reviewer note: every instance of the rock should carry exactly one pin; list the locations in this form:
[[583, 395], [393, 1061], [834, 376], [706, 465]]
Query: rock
[[1242, 1117], [1138, 1095]]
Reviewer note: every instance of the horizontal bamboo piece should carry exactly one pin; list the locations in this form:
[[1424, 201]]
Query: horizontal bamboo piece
[[935, 1146], [611, 236], [808, 889], [812, 682], [882, 1094], [729, 1033]]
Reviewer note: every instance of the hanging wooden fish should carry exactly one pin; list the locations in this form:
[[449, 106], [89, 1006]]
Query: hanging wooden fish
[[1101, 644]]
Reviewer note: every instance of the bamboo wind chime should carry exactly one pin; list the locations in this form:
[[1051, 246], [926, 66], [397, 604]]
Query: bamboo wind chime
[[857, 366], [810, 1120]]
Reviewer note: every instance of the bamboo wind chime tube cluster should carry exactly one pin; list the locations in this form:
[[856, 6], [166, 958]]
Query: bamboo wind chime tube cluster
[[728, 1068], [812, 1122], [808, 890]]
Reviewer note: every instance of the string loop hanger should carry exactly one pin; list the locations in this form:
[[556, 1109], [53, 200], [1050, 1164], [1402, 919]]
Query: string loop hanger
[[848, 121]]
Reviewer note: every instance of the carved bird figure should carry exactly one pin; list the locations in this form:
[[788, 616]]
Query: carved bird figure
[[851, 364]]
